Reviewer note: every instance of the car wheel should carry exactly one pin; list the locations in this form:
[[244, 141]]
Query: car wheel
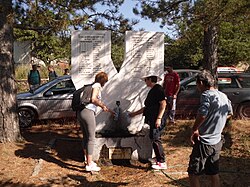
[[244, 111], [26, 117]]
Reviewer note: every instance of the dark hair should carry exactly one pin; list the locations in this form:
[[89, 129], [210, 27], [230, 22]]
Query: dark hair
[[153, 78], [206, 78]]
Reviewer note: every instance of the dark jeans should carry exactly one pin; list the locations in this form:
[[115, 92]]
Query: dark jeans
[[155, 136], [157, 146]]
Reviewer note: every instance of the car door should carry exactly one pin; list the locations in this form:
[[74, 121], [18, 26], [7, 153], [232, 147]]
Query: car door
[[57, 100], [188, 99], [230, 86]]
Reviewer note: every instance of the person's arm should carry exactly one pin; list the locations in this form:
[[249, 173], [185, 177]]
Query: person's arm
[[229, 115], [132, 114], [177, 87], [96, 101], [195, 132], [162, 107]]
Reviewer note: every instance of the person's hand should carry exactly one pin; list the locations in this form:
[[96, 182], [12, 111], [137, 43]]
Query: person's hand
[[174, 96], [158, 123], [131, 114], [111, 112], [195, 136], [105, 109]]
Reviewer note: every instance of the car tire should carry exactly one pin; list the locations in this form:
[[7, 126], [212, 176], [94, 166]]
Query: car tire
[[244, 111], [26, 117]]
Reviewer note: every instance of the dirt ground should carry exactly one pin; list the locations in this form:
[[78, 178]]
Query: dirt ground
[[32, 162]]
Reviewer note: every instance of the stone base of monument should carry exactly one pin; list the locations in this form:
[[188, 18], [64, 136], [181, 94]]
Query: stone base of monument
[[123, 146]]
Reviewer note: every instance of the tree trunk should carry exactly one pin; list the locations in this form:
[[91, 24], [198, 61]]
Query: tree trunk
[[9, 126], [210, 47]]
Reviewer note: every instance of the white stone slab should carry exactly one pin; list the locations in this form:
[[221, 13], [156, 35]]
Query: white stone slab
[[91, 53], [144, 55]]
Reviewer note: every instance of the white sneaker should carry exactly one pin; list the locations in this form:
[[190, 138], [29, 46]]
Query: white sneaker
[[159, 165], [86, 163], [152, 160], [92, 167]]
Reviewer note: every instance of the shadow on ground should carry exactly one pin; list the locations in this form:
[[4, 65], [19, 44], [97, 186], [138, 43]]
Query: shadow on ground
[[67, 153]]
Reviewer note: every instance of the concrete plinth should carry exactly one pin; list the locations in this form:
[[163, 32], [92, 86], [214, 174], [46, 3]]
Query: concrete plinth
[[140, 144]]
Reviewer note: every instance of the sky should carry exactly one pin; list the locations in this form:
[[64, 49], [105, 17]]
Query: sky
[[126, 9]]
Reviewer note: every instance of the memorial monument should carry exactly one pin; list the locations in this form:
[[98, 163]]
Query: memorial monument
[[125, 91]]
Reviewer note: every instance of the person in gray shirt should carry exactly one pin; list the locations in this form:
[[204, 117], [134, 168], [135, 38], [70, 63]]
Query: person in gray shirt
[[215, 108]]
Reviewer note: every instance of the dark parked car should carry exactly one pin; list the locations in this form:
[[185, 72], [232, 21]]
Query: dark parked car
[[185, 73], [50, 101], [235, 85]]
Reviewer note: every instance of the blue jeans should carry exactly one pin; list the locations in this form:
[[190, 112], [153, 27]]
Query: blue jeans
[[155, 136]]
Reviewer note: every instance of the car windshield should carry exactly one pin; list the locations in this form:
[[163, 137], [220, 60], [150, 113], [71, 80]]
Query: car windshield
[[227, 82], [63, 87], [38, 88], [46, 85], [245, 82]]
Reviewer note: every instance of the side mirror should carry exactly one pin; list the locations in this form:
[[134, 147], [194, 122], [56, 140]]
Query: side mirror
[[48, 94]]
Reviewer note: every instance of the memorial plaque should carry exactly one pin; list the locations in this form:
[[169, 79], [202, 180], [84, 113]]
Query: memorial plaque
[[91, 53], [120, 153]]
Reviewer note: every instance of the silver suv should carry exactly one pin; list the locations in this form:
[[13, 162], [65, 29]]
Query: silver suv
[[50, 101]]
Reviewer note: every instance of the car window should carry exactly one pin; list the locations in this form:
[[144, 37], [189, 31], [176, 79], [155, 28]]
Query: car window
[[227, 82], [244, 81], [191, 86], [63, 87], [183, 75]]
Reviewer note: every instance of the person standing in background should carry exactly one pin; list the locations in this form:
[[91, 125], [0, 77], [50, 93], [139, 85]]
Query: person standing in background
[[66, 71], [215, 108], [34, 78], [171, 86], [52, 73]]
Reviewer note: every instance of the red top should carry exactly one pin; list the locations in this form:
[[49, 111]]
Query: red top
[[171, 81]]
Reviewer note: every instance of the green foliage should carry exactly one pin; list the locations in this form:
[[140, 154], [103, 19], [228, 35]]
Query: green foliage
[[117, 55], [117, 49], [234, 43], [192, 19], [48, 23]]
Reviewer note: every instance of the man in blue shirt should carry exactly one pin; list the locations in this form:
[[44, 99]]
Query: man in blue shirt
[[215, 108]]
